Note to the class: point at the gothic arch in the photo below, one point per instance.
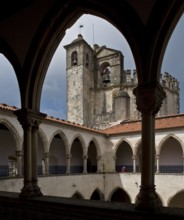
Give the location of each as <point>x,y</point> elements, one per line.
<point>14,132</point>
<point>120,142</point>
<point>96,145</point>
<point>166,138</point>
<point>77,195</point>
<point>123,155</point>
<point>97,195</point>
<point>81,139</point>
<point>10,55</point>
<point>120,195</point>
<point>63,138</point>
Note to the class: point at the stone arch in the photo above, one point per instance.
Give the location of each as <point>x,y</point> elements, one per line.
<point>97,195</point>
<point>63,137</point>
<point>170,159</point>
<point>13,130</point>
<point>57,154</point>
<point>92,157</point>
<point>77,153</point>
<point>10,55</point>
<point>119,195</point>
<point>96,145</point>
<point>177,200</point>
<point>166,138</point>
<point>77,195</point>
<point>123,155</point>
<point>84,148</point>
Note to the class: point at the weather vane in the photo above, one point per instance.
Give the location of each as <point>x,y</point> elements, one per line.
<point>80,27</point>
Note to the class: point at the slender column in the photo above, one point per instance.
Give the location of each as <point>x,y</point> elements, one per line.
<point>85,157</point>
<point>114,158</point>
<point>19,163</point>
<point>46,163</point>
<point>35,128</point>
<point>149,99</point>
<point>30,120</point>
<point>183,162</point>
<point>68,157</point>
<point>134,164</point>
<point>158,164</point>
<point>99,167</point>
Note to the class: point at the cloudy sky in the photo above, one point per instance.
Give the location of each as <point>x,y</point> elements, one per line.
<point>95,30</point>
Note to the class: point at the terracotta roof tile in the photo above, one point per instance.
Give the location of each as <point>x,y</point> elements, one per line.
<point>172,121</point>
<point>166,122</point>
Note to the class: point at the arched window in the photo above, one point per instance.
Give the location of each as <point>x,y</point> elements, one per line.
<point>87,59</point>
<point>74,60</point>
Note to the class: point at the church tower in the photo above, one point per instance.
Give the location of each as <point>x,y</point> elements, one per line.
<point>100,90</point>
<point>79,67</point>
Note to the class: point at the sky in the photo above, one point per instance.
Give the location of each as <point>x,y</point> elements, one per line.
<point>95,31</point>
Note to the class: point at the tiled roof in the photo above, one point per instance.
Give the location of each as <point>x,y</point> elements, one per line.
<point>8,107</point>
<point>171,121</point>
<point>165,122</point>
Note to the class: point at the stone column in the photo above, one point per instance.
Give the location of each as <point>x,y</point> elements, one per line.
<point>46,163</point>
<point>114,158</point>
<point>19,163</point>
<point>85,157</point>
<point>149,99</point>
<point>134,164</point>
<point>158,165</point>
<point>68,157</point>
<point>99,167</point>
<point>30,120</point>
<point>183,162</point>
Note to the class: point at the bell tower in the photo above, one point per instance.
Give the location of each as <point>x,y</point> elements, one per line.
<point>79,68</point>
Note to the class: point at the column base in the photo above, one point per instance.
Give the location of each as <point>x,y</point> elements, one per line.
<point>147,199</point>
<point>30,190</point>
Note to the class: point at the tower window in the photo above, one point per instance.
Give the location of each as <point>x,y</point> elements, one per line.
<point>87,59</point>
<point>74,60</point>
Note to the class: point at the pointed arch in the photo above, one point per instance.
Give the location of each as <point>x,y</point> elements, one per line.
<point>77,153</point>
<point>170,154</point>
<point>13,130</point>
<point>118,194</point>
<point>93,139</point>
<point>97,195</point>
<point>63,138</point>
<point>166,138</point>
<point>123,155</point>
<point>10,55</point>
<point>58,150</point>
<point>81,139</point>
<point>77,195</point>
<point>120,142</point>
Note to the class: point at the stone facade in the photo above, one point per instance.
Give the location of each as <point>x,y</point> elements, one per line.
<point>100,90</point>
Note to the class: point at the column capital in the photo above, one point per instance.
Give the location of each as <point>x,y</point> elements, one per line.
<point>28,117</point>
<point>19,152</point>
<point>149,97</point>
<point>85,157</point>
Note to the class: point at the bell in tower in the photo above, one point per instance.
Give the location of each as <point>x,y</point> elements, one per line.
<point>106,76</point>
